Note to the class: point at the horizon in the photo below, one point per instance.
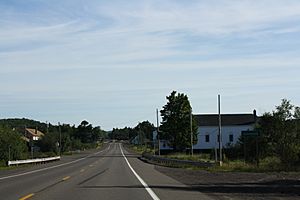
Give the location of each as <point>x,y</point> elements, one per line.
<point>113,63</point>
<point>72,124</point>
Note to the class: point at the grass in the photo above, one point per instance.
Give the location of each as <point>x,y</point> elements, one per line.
<point>140,149</point>
<point>195,157</point>
<point>266,165</point>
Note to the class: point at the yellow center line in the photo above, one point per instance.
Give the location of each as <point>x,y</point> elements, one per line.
<point>66,178</point>
<point>27,197</point>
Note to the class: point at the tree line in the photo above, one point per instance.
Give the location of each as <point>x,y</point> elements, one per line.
<point>143,132</point>
<point>12,146</point>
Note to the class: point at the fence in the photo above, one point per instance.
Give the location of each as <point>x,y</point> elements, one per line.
<point>37,160</point>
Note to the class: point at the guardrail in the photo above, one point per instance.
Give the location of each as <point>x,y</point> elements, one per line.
<point>174,162</point>
<point>37,160</point>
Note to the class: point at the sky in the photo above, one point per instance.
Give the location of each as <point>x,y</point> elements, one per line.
<point>113,63</point>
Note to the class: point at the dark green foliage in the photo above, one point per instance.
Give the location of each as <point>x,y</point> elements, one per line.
<point>84,132</point>
<point>143,130</point>
<point>72,138</point>
<point>280,133</point>
<point>9,138</point>
<point>279,137</point>
<point>19,124</point>
<point>175,126</point>
<point>49,142</point>
<point>121,134</point>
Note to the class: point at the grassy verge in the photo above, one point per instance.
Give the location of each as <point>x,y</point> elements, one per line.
<point>195,157</point>
<point>269,164</point>
<point>140,148</point>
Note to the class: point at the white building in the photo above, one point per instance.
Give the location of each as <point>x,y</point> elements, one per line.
<point>232,126</point>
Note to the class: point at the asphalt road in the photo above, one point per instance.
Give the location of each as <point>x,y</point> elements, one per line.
<point>109,173</point>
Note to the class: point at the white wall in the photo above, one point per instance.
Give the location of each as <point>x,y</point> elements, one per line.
<point>212,131</point>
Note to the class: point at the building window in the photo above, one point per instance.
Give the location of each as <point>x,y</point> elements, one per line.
<point>230,138</point>
<point>206,138</point>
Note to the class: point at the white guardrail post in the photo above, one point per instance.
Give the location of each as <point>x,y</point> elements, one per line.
<point>37,160</point>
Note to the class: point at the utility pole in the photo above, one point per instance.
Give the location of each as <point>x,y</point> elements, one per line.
<point>59,129</point>
<point>220,133</point>
<point>157,124</point>
<point>9,152</point>
<point>191,123</point>
<point>47,127</point>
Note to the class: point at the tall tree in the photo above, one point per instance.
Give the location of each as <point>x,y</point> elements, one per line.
<point>280,132</point>
<point>176,123</point>
<point>84,132</point>
<point>144,130</point>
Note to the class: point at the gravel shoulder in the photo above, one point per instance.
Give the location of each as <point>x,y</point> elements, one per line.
<point>238,185</point>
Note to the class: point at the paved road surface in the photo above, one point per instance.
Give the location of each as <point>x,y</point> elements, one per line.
<point>110,173</point>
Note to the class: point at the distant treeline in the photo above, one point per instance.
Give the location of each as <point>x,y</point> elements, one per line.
<point>141,133</point>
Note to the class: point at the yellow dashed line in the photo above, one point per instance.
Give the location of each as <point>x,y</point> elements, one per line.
<point>27,197</point>
<point>66,178</point>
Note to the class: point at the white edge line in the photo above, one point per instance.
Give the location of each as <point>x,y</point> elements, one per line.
<point>149,190</point>
<point>43,169</point>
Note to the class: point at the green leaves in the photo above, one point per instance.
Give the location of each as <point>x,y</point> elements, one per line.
<point>280,132</point>
<point>176,121</point>
<point>11,141</point>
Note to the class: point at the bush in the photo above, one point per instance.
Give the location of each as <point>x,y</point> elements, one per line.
<point>271,163</point>
<point>11,141</point>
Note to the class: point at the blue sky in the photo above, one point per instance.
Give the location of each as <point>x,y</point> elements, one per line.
<point>114,62</point>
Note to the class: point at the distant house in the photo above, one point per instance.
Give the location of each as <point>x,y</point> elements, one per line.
<point>32,134</point>
<point>164,144</point>
<point>139,139</point>
<point>232,126</point>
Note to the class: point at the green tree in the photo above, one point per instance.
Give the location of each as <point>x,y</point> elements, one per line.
<point>145,131</point>
<point>84,132</point>
<point>97,134</point>
<point>49,142</point>
<point>10,139</point>
<point>175,126</point>
<point>280,135</point>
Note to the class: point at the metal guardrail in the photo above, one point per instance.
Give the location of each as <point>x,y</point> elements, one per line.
<point>37,160</point>
<point>175,162</point>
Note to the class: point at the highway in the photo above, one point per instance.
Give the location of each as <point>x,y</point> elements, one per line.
<point>108,173</point>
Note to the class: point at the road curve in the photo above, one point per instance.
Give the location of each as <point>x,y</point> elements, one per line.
<point>111,173</point>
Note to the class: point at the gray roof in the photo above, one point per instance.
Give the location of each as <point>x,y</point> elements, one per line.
<point>226,119</point>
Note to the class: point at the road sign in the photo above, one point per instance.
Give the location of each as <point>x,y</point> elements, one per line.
<point>250,133</point>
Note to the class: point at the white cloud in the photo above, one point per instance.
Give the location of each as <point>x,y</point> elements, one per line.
<point>102,49</point>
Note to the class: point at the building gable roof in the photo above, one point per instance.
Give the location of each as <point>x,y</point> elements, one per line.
<point>226,119</point>
<point>34,132</point>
